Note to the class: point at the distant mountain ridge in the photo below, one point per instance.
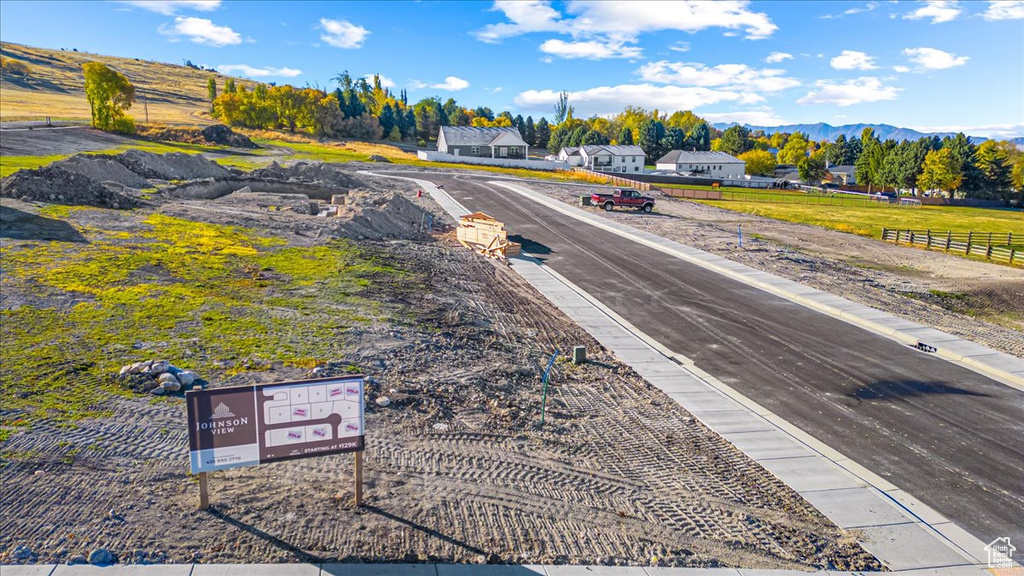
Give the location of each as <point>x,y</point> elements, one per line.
<point>822,131</point>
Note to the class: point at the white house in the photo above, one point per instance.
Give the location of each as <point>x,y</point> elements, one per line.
<point>608,158</point>
<point>481,142</point>
<point>708,164</point>
<point>570,155</point>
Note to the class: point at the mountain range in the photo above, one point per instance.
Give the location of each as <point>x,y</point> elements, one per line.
<point>822,131</point>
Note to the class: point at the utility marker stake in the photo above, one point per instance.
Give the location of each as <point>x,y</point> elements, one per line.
<point>359,479</point>
<point>544,399</point>
<point>739,232</point>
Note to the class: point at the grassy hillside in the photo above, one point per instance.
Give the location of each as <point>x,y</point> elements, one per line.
<point>54,87</point>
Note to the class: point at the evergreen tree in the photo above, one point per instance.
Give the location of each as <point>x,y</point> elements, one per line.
<point>562,108</point>
<point>529,131</point>
<point>625,136</point>
<point>651,133</point>
<point>673,140</point>
<point>700,138</point>
<point>594,137</point>
<point>483,112</point>
<point>835,154</point>
<point>387,118</point>
<point>964,153</point>
<point>576,136</point>
<point>520,125</point>
<point>543,135</point>
<point>736,140</point>
<point>211,90</point>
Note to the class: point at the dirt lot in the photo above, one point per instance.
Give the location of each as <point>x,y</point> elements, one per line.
<point>978,301</point>
<point>457,467</point>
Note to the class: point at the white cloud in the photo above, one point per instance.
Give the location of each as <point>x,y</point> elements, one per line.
<point>680,46</point>
<point>612,99</point>
<point>776,57</point>
<point>996,131</point>
<point>1005,10</point>
<point>253,72</point>
<point>170,7</point>
<point>739,77</point>
<point>853,60</point>
<point>384,80</point>
<point>937,10</point>
<point>752,117</point>
<point>590,49</point>
<point>866,8</point>
<point>856,91</point>
<point>342,33</point>
<point>620,23</point>
<point>934,59</point>
<point>901,69</point>
<point>450,84</point>
<point>201,31</point>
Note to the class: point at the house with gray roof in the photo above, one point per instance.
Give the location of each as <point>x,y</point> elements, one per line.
<point>608,158</point>
<point>707,164</point>
<point>843,174</point>
<point>481,142</point>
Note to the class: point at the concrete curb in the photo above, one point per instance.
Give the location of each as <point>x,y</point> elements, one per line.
<point>1002,367</point>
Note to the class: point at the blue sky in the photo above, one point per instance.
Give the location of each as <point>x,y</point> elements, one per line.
<point>934,65</point>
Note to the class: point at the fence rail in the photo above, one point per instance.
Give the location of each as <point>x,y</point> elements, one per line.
<point>997,246</point>
<point>783,198</point>
<point>615,180</point>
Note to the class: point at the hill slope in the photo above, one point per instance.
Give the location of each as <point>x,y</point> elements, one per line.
<point>55,87</point>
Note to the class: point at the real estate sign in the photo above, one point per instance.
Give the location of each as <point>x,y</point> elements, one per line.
<point>249,425</point>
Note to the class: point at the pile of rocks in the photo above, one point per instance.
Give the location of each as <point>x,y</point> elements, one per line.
<point>159,377</point>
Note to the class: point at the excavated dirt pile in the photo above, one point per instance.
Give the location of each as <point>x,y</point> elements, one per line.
<point>173,166</point>
<point>211,135</point>
<point>103,169</point>
<point>317,173</point>
<point>62,186</point>
<point>378,216</point>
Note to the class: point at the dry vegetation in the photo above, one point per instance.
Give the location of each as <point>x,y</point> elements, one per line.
<point>54,86</point>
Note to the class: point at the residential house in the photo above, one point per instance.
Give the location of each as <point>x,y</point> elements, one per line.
<point>570,155</point>
<point>481,142</point>
<point>608,158</point>
<point>844,175</point>
<point>706,164</point>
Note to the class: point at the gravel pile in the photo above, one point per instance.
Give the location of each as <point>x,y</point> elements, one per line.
<point>61,186</point>
<point>377,216</point>
<point>316,173</point>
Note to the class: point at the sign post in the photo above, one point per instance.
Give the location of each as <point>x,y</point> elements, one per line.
<point>251,425</point>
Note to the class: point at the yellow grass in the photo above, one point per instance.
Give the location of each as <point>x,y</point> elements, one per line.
<point>55,87</point>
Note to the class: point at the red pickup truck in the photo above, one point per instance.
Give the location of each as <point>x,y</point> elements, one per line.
<point>624,197</point>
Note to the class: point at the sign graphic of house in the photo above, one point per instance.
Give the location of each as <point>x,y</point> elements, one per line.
<point>1000,553</point>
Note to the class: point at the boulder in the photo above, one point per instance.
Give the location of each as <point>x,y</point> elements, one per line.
<point>101,557</point>
<point>187,377</point>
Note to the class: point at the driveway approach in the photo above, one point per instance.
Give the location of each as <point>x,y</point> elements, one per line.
<point>950,437</point>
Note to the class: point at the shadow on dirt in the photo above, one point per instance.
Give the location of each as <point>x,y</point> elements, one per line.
<point>300,554</point>
<point>21,225</point>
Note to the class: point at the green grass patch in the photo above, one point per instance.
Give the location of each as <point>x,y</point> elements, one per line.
<point>869,220</point>
<point>189,292</point>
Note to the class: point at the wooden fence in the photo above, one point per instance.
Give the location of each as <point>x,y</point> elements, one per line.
<point>615,180</point>
<point>999,247</point>
<point>786,198</point>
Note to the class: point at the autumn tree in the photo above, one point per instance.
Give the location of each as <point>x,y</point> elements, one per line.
<point>759,162</point>
<point>110,95</point>
<point>229,86</point>
<point>794,150</point>
<point>941,171</point>
<point>211,90</point>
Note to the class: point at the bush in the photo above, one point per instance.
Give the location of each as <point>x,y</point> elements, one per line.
<point>124,125</point>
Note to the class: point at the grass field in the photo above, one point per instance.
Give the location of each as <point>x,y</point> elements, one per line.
<point>869,220</point>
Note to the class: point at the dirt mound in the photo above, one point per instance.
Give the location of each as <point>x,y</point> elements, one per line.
<point>316,173</point>
<point>173,166</point>
<point>61,186</point>
<point>102,169</point>
<point>208,136</point>
<point>379,158</point>
<point>378,216</point>
<point>247,199</point>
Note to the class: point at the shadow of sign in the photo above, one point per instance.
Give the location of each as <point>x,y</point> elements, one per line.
<point>22,225</point>
<point>534,248</point>
<point>896,389</point>
<point>300,554</point>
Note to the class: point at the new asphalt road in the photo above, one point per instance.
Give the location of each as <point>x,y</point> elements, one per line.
<point>948,436</point>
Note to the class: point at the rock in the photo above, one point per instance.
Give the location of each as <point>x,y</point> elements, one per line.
<point>440,427</point>
<point>171,385</point>
<point>77,560</point>
<point>159,390</point>
<point>138,367</point>
<point>158,367</point>
<point>167,377</point>
<point>101,557</point>
<point>379,158</point>
<point>124,370</point>
<point>383,401</point>
<point>21,552</point>
<point>187,377</point>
